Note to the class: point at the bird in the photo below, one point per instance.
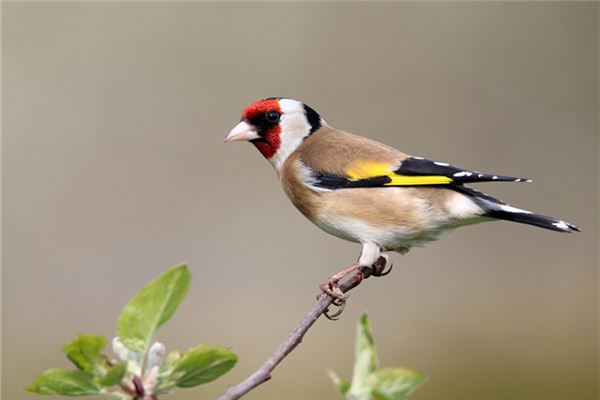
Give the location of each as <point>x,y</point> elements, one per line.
<point>366,192</point>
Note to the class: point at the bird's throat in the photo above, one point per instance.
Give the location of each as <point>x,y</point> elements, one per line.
<point>269,143</point>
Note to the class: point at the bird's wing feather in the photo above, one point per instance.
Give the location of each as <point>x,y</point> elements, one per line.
<point>346,161</point>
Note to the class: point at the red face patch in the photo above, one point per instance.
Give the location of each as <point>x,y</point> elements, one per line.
<point>254,110</point>
<point>270,139</point>
<point>271,142</point>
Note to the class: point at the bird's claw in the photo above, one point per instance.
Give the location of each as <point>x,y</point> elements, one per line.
<point>332,289</point>
<point>378,268</point>
<point>341,304</point>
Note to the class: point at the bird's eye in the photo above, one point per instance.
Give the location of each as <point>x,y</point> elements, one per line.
<point>273,116</point>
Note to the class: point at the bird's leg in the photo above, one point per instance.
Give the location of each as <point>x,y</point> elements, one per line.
<point>377,269</point>
<point>370,254</point>
<point>330,286</point>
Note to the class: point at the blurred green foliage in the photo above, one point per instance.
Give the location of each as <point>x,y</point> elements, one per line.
<point>144,369</point>
<point>369,381</point>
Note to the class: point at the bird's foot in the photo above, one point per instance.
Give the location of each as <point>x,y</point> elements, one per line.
<point>379,267</point>
<point>331,288</point>
<point>340,304</point>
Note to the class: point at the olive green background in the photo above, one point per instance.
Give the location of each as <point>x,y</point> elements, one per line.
<point>114,169</point>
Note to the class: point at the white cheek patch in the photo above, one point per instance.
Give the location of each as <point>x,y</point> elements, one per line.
<point>294,128</point>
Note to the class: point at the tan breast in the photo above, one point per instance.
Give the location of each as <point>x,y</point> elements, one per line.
<point>291,177</point>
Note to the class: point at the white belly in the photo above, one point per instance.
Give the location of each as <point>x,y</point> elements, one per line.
<point>397,238</point>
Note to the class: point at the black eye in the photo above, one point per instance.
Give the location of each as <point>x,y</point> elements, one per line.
<point>273,116</point>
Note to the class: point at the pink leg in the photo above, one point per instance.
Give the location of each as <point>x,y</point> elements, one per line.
<point>330,286</point>
<point>369,255</point>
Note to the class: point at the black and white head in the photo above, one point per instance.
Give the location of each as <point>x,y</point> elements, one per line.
<point>276,126</point>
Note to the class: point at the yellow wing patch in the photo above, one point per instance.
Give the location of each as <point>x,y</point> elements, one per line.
<point>399,180</point>
<point>367,169</point>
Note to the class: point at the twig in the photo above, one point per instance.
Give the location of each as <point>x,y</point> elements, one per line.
<point>263,374</point>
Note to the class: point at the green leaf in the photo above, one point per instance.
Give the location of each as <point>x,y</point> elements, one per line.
<point>84,352</point>
<point>341,385</point>
<point>203,364</point>
<point>170,363</point>
<point>115,375</point>
<point>165,381</point>
<point>67,383</point>
<point>394,383</point>
<point>365,360</point>
<point>152,307</point>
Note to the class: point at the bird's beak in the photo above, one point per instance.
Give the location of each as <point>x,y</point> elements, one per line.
<point>242,131</point>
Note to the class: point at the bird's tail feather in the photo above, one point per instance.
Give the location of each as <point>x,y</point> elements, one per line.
<point>495,208</point>
<point>527,217</point>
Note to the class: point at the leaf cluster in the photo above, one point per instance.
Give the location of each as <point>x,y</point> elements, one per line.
<point>369,381</point>
<point>144,370</point>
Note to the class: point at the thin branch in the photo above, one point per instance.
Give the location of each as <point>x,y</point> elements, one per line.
<point>263,374</point>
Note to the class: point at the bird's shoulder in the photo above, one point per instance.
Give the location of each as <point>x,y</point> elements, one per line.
<point>334,151</point>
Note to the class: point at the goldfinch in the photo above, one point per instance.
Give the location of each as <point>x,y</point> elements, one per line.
<point>366,192</point>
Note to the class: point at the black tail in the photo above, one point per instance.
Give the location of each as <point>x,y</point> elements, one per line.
<point>533,219</point>
<point>495,208</point>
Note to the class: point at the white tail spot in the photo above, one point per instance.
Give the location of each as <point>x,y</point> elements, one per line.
<point>507,208</point>
<point>462,173</point>
<point>561,225</point>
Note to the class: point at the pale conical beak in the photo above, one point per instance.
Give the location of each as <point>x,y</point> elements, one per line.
<point>242,131</point>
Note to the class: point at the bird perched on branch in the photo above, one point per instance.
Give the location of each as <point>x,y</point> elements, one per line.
<point>366,192</point>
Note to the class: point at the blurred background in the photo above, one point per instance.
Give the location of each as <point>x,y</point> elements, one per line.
<point>114,170</point>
